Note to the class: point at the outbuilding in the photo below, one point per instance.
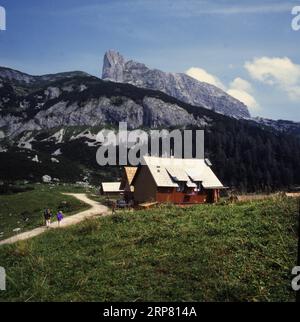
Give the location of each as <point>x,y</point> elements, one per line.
<point>111,188</point>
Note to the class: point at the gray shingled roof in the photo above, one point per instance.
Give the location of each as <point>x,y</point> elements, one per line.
<point>168,171</point>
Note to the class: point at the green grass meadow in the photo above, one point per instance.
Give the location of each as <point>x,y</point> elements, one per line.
<point>225,252</point>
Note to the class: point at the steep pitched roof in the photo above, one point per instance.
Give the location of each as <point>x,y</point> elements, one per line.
<point>177,174</point>
<point>167,172</point>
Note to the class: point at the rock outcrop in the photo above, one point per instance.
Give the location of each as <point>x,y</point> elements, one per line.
<point>180,86</point>
<point>83,101</point>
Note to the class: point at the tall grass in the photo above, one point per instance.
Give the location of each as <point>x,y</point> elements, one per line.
<point>239,252</point>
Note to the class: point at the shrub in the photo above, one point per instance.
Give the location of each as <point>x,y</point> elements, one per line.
<point>90,226</point>
<point>22,249</point>
<point>116,100</point>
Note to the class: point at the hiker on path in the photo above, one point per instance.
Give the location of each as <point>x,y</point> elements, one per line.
<point>59,217</point>
<point>47,216</point>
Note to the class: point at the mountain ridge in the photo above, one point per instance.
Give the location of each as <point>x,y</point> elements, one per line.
<point>179,85</point>
<point>16,75</point>
<point>11,87</point>
<point>49,128</point>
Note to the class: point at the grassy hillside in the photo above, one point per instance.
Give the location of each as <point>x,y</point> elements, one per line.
<point>242,252</point>
<point>25,209</point>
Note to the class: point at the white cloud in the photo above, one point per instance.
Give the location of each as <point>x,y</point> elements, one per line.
<point>203,76</point>
<point>241,90</point>
<point>276,71</point>
<point>238,88</point>
<point>241,84</point>
<point>245,98</point>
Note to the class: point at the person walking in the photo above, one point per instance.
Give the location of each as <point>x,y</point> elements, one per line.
<point>59,217</point>
<point>47,216</point>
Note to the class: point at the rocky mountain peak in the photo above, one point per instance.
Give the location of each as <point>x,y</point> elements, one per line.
<point>181,86</point>
<point>113,66</point>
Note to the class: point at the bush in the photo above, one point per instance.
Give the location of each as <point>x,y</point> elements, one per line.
<point>22,249</point>
<point>90,226</point>
<point>116,100</point>
<point>7,189</point>
<point>65,206</point>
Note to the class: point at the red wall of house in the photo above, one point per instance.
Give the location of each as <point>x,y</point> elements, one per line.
<point>174,196</point>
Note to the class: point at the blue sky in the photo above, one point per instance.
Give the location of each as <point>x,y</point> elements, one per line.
<point>246,47</point>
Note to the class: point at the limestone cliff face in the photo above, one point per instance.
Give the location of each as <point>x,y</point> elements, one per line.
<point>113,66</point>
<point>180,86</point>
<point>83,101</point>
<point>99,112</point>
<point>38,103</point>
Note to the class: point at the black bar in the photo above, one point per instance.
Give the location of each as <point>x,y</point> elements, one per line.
<point>95,312</point>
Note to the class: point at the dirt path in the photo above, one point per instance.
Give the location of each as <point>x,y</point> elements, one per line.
<point>96,209</point>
